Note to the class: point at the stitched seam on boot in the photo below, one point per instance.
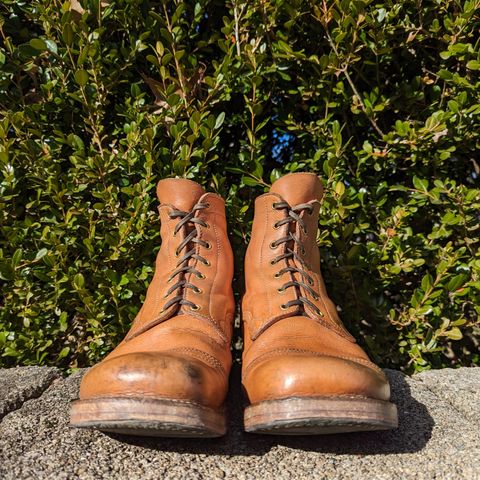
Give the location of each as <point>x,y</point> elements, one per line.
<point>153,395</point>
<point>209,316</point>
<point>206,318</point>
<point>262,269</point>
<point>170,263</point>
<point>200,355</point>
<point>215,275</point>
<point>340,396</point>
<point>334,327</point>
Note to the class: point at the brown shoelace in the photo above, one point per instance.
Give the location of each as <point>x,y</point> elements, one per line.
<point>183,266</point>
<point>293,216</point>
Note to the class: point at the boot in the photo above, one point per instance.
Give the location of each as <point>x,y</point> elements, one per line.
<point>302,371</point>
<point>169,376</point>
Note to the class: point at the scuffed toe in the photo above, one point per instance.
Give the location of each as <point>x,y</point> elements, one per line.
<point>158,375</point>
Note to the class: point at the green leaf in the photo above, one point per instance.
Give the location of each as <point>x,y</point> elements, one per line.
<point>38,44</point>
<point>41,253</point>
<point>159,48</point>
<point>427,282</point>
<point>81,77</point>
<point>63,353</point>
<point>219,120</point>
<point>473,65</point>
<point>420,184</point>
<point>258,170</point>
<point>68,34</point>
<point>249,181</point>
<point>275,174</point>
<point>17,257</point>
<point>456,282</point>
<point>454,334</point>
<point>52,46</point>
<point>79,281</point>
<point>340,188</point>
<point>425,310</point>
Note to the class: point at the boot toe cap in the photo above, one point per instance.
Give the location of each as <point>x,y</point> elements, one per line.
<point>313,375</point>
<point>157,375</point>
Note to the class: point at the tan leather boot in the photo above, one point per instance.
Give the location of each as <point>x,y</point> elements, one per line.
<point>302,371</point>
<point>169,376</point>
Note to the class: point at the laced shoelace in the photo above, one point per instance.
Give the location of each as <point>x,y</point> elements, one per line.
<point>183,266</point>
<point>293,216</point>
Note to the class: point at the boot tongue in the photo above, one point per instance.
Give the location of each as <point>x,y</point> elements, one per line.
<point>179,192</point>
<point>297,188</point>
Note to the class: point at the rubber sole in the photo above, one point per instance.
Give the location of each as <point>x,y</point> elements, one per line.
<point>320,415</point>
<point>148,417</point>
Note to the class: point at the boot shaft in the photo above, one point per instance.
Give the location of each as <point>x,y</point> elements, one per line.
<point>282,263</point>
<point>194,266</point>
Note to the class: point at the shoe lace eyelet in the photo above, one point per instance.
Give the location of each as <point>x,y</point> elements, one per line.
<point>208,246</point>
<point>195,307</point>
<point>207,263</point>
<point>280,290</point>
<point>198,290</point>
<point>276,226</point>
<point>310,281</point>
<point>273,245</point>
<point>283,306</point>
<point>200,275</point>
<point>277,275</point>
<point>273,262</point>
<point>302,251</point>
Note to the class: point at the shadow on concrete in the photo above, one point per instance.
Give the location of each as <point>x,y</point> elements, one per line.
<point>413,433</point>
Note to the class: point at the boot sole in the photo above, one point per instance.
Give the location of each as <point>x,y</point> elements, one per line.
<point>148,417</point>
<point>320,415</point>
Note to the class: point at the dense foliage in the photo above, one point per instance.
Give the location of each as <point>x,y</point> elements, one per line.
<point>100,99</point>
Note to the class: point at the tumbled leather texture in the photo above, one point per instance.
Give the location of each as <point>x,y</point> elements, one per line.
<point>296,351</point>
<point>178,353</point>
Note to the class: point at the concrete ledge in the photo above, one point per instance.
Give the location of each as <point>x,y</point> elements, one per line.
<point>20,384</point>
<point>438,438</point>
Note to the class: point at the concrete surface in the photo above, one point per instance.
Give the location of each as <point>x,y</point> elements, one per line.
<point>17,385</point>
<point>438,438</point>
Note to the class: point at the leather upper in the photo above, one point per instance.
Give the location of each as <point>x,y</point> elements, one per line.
<point>303,349</point>
<point>181,352</point>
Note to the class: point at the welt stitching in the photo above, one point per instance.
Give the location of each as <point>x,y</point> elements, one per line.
<point>154,395</point>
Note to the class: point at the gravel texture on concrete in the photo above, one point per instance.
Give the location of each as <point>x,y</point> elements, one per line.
<point>23,383</point>
<point>438,438</point>
<point>459,387</point>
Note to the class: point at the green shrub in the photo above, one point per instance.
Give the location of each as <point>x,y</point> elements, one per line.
<point>99,101</point>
